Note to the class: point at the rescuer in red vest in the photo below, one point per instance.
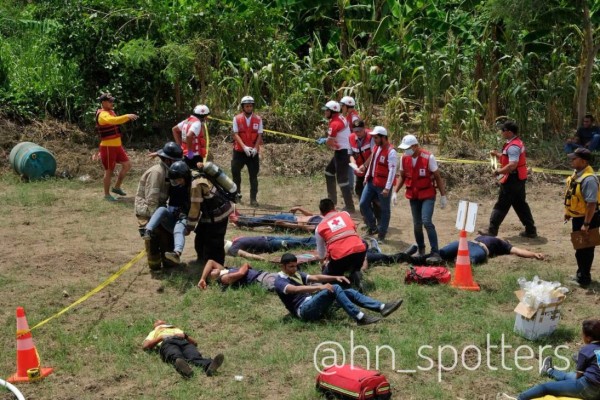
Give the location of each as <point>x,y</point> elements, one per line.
<point>419,172</point>
<point>190,134</point>
<point>379,182</point>
<point>349,112</point>
<point>512,176</point>
<point>247,139</point>
<point>338,243</point>
<point>111,147</point>
<point>338,140</point>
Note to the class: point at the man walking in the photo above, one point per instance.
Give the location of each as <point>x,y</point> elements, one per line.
<point>338,140</point>
<point>111,147</point>
<point>512,176</point>
<point>379,180</point>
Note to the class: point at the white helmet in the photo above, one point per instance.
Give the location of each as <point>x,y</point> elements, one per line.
<point>247,100</point>
<point>408,141</point>
<point>201,110</point>
<point>378,130</point>
<point>332,106</point>
<point>349,101</point>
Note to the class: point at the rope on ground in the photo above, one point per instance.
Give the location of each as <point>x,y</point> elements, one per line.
<point>92,292</point>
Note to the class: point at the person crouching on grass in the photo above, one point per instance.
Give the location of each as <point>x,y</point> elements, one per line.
<point>583,384</point>
<point>177,348</point>
<point>310,302</point>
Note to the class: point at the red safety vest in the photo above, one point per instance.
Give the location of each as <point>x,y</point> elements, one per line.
<point>352,115</point>
<point>362,153</point>
<point>198,142</point>
<point>418,179</point>
<point>339,233</point>
<point>379,168</point>
<point>521,164</point>
<point>248,134</point>
<point>107,131</point>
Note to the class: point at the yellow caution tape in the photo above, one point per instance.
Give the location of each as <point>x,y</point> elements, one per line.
<point>273,132</point>
<point>92,292</point>
<point>207,141</point>
<point>534,169</point>
<point>441,159</point>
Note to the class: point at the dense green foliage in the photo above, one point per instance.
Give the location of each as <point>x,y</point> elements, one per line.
<point>443,66</point>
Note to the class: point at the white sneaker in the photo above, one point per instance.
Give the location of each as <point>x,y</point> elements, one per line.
<point>173,256</point>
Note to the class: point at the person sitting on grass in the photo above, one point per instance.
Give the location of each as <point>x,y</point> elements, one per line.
<point>480,249</point>
<point>310,302</point>
<point>583,384</point>
<point>174,217</point>
<point>250,246</point>
<point>177,348</point>
<point>306,222</point>
<point>236,277</point>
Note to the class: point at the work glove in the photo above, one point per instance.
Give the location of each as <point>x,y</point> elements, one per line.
<point>394,198</point>
<point>248,151</point>
<point>190,154</point>
<point>321,140</point>
<point>443,202</point>
<point>253,152</point>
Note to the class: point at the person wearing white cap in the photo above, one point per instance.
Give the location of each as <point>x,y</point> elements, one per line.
<point>419,172</point>
<point>379,182</point>
<point>247,139</point>
<point>190,134</point>
<point>338,140</point>
<point>347,105</point>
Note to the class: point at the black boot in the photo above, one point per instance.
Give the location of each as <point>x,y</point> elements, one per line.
<point>331,188</point>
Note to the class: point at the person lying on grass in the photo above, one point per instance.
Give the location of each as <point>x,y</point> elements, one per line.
<point>235,277</point>
<point>583,384</point>
<point>250,246</point>
<point>177,348</point>
<point>305,222</point>
<point>310,302</point>
<point>480,249</point>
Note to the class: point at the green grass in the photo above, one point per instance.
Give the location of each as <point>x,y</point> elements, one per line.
<point>96,347</point>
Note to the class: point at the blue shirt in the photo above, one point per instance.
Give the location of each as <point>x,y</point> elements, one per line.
<point>588,362</point>
<point>291,301</point>
<point>496,247</point>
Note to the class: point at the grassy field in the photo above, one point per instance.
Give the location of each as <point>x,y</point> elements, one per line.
<point>60,240</point>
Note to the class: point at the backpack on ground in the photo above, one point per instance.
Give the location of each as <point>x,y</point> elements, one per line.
<point>351,382</point>
<point>427,275</point>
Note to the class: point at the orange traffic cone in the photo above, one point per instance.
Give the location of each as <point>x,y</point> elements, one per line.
<point>463,277</point>
<point>28,360</point>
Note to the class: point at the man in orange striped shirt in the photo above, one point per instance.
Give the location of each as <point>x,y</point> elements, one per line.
<point>111,148</point>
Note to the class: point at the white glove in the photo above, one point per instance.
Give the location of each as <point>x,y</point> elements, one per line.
<point>253,152</point>
<point>394,198</point>
<point>248,151</point>
<point>443,202</point>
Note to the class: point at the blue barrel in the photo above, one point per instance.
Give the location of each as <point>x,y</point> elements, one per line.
<point>32,161</point>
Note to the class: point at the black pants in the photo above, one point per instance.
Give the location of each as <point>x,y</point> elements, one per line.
<point>173,348</point>
<point>193,163</point>
<point>350,263</point>
<point>585,257</point>
<point>512,194</point>
<point>237,163</point>
<point>210,240</point>
<point>376,258</point>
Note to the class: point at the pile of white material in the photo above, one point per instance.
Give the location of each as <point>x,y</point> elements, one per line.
<point>538,292</point>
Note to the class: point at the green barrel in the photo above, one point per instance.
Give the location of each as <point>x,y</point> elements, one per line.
<point>32,161</point>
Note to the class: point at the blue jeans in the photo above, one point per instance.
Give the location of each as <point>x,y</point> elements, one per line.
<point>565,384</point>
<point>314,308</point>
<point>277,243</point>
<point>170,219</point>
<point>422,212</point>
<point>370,192</point>
<point>262,220</point>
<point>477,254</point>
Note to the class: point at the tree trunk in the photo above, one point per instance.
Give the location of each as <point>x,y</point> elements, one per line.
<point>343,30</point>
<point>588,55</point>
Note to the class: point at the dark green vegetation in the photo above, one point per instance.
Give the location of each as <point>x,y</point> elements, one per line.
<point>443,66</point>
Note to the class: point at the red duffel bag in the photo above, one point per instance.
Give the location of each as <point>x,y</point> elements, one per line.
<point>427,275</point>
<point>348,382</point>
